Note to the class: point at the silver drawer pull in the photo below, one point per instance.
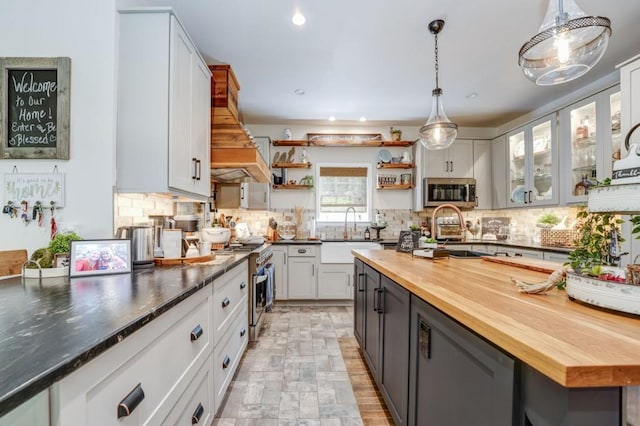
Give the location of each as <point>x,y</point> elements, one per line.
<point>225,302</point>
<point>301,251</point>
<point>131,401</point>
<point>242,285</point>
<point>243,332</point>
<point>195,417</point>
<point>226,361</point>
<point>196,333</point>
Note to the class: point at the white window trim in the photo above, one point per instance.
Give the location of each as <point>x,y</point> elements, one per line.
<point>340,217</point>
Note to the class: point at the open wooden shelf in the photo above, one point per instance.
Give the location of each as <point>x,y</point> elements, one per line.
<point>290,165</point>
<point>396,165</point>
<point>395,186</point>
<point>302,142</point>
<point>291,186</point>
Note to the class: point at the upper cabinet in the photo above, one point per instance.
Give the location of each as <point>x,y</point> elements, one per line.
<point>163,116</point>
<point>590,135</point>
<point>533,160</point>
<point>482,173</point>
<point>453,162</point>
<point>499,172</point>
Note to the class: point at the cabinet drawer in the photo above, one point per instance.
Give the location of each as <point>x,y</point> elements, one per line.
<point>196,401</point>
<point>229,294</point>
<point>156,357</point>
<point>227,355</point>
<point>301,250</point>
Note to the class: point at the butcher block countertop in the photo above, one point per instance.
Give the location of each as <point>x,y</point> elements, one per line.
<point>574,344</point>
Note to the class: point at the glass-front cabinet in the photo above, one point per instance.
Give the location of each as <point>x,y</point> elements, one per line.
<point>533,160</point>
<point>590,136</point>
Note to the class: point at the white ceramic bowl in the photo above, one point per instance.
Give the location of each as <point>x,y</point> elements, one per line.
<point>216,235</point>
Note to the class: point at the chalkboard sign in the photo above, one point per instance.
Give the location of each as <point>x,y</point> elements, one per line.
<point>35,108</point>
<point>408,241</point>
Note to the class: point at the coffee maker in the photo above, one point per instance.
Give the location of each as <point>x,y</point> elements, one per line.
<point>159,223</point>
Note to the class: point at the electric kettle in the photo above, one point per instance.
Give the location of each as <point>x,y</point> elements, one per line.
<point>141,244</point>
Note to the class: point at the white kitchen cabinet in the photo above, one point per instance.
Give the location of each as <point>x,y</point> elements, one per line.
<point>590,131</point>
<point>499,172</point>
<point>163,107</point>
<point>254,196</point>
<point>533,163</point>
<point>482,173</point>
<point>34,412</point>
<point>162,358</point>
<point>453,162</point>
<point>302,271</point>
<point>520,252</point>
<point>335,281</point>
<point>281,279</point>
<point>553,256</point>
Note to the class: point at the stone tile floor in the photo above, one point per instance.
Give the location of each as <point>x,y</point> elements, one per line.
<point>295,373</point>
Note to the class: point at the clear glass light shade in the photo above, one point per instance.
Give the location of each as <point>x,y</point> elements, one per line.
<point>568,44</point>
<point>438,132</point>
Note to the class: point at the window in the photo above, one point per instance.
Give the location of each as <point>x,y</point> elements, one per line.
<point>341,186</point>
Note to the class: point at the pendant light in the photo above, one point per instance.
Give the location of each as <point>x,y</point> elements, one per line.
<point>568,44</point>
<point>438,132</point>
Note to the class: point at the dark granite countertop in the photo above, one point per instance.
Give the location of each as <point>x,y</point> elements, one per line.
<point>48,330</point>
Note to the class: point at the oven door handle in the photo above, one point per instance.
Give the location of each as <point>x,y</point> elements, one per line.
<point>257,279</point>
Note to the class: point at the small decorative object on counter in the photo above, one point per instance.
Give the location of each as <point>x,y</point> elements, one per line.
<point>367,234</point>
<point>286,134</point>
<point>304,157</point>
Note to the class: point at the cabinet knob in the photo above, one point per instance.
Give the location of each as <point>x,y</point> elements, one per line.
<point>196,333</point>
<point>242,285</point>
<point>243,332</point>
<point>225,362</point>
<point>130,402</point>
<point>197,414</point>
<point>225,302</point>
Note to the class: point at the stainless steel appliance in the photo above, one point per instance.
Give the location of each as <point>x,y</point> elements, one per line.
<point>142,243</point>
<point>449,228</point>
<point>461,192</point>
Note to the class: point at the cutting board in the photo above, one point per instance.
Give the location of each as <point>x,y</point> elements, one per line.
<point>11,262</point>
<point>162,261</point>
<point>525,263</point>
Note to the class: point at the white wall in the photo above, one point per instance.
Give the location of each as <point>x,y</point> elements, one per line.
<point>85,32</point>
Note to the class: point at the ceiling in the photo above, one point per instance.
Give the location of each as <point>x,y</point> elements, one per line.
<point>375,58</point>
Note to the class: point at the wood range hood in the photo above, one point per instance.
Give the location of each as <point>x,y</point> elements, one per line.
<point>234,155</point>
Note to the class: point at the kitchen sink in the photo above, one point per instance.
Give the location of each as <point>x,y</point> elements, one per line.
<point>466,254</point>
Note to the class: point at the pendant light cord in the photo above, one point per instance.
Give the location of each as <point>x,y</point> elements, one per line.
<point>436,52</point>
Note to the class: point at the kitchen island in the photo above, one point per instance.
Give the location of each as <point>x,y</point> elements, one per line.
<point>562,350</point>
<point>52,328</point>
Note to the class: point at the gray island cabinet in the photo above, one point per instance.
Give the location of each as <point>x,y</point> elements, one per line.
<point>434,369</point>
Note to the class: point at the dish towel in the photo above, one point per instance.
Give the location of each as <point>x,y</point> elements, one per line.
<point>270,272</point>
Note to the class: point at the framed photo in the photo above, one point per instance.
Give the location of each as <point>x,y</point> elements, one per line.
<point>99,257</point>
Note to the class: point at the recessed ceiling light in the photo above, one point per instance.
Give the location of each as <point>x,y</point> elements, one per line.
<point>299,92</point>
<point>363,118</point>
<point>298,19</point>
<point>472,95</point>
<point>332,118</point>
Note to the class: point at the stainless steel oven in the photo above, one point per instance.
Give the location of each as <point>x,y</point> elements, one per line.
<point>261,273</point>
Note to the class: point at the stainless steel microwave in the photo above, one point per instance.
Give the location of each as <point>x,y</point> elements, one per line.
<point>461,192</point>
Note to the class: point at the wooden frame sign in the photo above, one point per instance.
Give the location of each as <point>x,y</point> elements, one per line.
<point>34,108</point>
<point>343,137</point>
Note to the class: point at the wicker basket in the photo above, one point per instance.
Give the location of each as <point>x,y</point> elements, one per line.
<point>558,237</point>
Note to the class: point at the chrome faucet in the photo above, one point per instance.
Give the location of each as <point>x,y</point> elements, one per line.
<point>345,234</point>
<point>458,212</point>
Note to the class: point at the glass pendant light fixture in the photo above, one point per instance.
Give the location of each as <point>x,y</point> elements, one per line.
<point>568,44</point>
<point>438,132</point>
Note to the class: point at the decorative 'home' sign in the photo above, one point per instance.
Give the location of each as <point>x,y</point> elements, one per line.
<point>34,108</point>
<point>32,187</point>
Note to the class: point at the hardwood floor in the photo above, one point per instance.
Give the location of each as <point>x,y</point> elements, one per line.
<point>370,403</point>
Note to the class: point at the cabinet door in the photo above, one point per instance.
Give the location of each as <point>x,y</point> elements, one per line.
<point>201,126</point>
<point>34,412</point>
<point>372,321</point>
<point>254,196</point>
<point>182,164</point>
<point>458,379</point>
<point>359,300</point>
<point>279,260</point>
<point>334,281</point>
<point>499,172</point>
<point>482,173</point>
<point>302,278</point>
<point>460,157</point>
<point>437,163</point>
<point>394,371</point>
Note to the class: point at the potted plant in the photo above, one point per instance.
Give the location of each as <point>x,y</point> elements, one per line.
<point>595,279</point>
<point>396,134</point>
<point>45,257</point>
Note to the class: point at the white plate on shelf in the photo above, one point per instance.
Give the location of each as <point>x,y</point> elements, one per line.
<point>384,156</point>
<point>517,195</point>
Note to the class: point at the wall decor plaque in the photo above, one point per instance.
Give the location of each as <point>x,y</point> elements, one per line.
<point>34,108</point>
